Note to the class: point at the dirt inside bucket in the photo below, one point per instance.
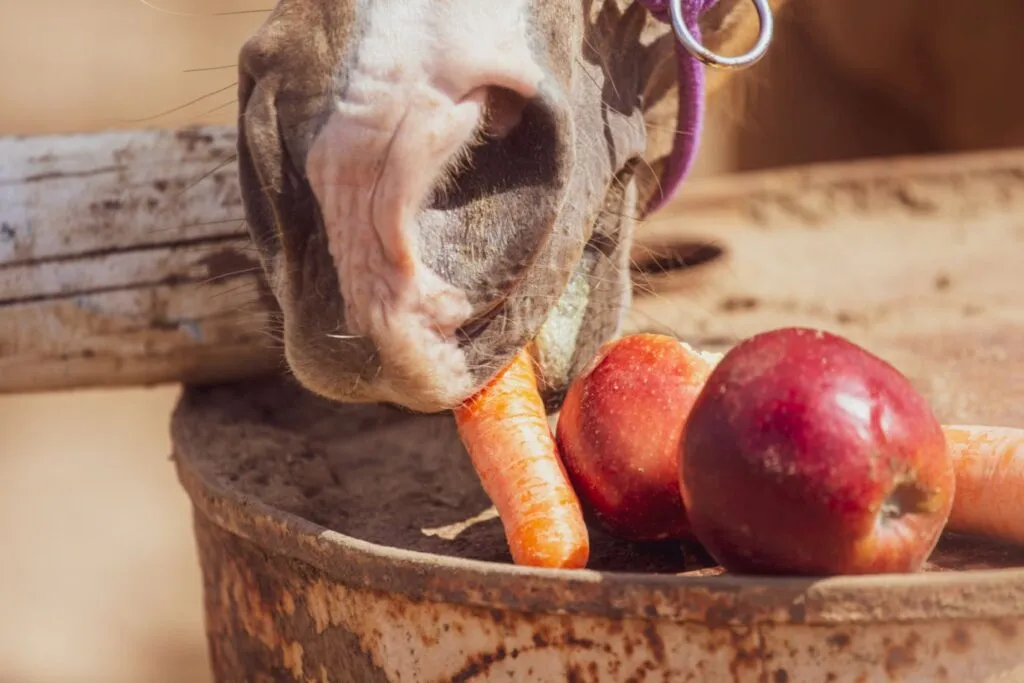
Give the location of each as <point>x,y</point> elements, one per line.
<point>385,476</point>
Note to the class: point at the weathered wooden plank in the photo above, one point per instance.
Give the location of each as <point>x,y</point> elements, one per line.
<point>136,335</point>
<point>66,195</point>
<point>916,188</point>
<point>924,247</point>
<point>123,259</point>
<point>110,316</point>
<point>924,271</point>
<point>195,261</point>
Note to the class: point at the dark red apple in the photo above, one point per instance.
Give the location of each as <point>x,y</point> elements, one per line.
<point>619,429</point>
<point>807,455</point>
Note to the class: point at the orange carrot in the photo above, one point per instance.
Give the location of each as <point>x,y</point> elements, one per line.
<point>989,464</point>
<point>505,431</point>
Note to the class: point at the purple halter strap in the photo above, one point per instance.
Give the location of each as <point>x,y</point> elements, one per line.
<point>691,101</point>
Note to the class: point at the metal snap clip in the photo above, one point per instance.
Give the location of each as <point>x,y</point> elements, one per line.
<point>764,38</point>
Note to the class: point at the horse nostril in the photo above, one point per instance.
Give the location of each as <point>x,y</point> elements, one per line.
<point>516,148</point>
<point>503,111</point>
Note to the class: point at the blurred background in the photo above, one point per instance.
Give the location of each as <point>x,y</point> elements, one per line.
<point>98,575</point>
<point>98,579</point>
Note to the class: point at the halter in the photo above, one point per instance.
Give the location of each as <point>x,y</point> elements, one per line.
<point>692,56</point>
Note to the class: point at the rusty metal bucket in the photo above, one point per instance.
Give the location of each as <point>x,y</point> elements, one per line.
<point>310,519</point>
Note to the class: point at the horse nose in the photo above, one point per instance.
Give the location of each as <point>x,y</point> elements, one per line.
<point>422,82</point>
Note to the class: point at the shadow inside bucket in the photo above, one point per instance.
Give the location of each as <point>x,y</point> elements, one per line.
<point>383,475</point>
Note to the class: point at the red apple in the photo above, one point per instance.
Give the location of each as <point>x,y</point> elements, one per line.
<point>619,429</point>
<point>807,455</point>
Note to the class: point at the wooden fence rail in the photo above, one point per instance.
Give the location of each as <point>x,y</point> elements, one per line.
<point>124,259</point>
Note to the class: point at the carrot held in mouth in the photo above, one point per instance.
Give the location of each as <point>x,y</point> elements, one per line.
<point>989,466</point>
<point>505,430</point>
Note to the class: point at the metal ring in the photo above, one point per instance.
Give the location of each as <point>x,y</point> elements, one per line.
<point>764,38</point>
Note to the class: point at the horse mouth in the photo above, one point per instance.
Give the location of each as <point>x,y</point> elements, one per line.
<point>481,320</point>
